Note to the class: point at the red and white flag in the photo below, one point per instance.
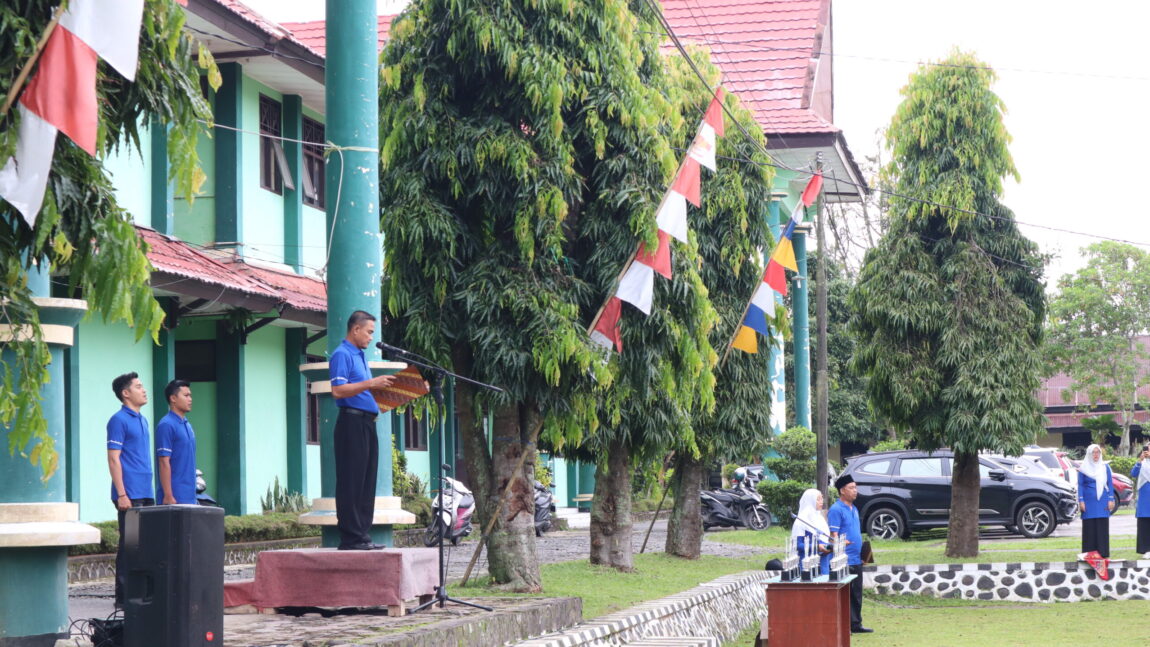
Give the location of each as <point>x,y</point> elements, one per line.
<point>61,96</point>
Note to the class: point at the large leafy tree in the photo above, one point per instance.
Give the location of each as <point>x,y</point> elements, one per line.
<point>730,233</point>
<point>1097,319</point>
<point>509,129</point>
<point>948,308</point>
<point>82,232</point>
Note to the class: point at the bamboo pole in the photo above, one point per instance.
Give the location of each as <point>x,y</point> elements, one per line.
<point>18,84</point>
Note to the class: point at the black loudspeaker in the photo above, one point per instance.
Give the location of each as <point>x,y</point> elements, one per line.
<point>174,588</point>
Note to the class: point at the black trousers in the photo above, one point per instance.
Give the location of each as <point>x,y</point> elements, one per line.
<point>1096,536</point>
<point>856,595</point>
<point>136,503</point>
<point>1143,535</point>
<point>356,461</point>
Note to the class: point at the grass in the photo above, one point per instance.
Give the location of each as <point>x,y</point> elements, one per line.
<point>605,590</point>
<point>929,547</point>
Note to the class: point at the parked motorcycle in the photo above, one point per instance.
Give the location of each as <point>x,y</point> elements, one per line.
<point>738,507</point>
<point>454,520</point>
<point>202,496</point>
<point>544,508</point>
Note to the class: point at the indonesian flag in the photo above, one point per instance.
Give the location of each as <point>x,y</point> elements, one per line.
<point>672,215</point>
<point>606,331</point>
<point>703,147</point>
<point>61,96</point>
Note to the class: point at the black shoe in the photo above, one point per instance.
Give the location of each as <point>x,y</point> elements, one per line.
<point>367,545</point>
<point>861,630</point>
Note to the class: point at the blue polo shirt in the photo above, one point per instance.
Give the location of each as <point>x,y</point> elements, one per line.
<point>128,432</point>
<point>844,519</point>
<point>348,365</point>
<point>176,440</point>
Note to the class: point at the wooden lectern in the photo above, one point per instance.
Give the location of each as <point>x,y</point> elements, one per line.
<point>809,613</point>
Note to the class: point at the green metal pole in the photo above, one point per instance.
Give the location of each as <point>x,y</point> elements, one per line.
<point>355,258</point>
<point>802,333</point>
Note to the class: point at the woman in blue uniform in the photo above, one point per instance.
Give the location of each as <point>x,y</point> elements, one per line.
<point>1095,501</point>
<point>811,526</point>
<point>1141,475</point>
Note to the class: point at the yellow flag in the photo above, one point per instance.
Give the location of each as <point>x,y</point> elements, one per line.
<point>746,340</point>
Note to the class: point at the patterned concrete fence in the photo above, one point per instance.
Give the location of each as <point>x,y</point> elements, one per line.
<point>1016,581</point>
<point>718,609</point>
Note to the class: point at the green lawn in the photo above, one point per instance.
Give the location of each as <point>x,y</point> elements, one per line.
<point>928,548</point>
<point>605,591</point>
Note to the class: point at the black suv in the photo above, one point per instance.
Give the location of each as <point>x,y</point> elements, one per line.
<point>907,490</point>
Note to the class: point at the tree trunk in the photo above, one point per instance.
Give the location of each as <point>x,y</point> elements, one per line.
<point>962,535</point>
<point>685,527</point>
<point>611,510</point>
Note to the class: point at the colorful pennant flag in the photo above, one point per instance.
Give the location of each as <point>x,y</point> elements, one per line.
<point>762,303</point>
<point>61,96</point>
<point>636,283</point>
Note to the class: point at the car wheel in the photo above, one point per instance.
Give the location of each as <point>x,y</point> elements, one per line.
<point>885,523</point>
<point>1035,520</point>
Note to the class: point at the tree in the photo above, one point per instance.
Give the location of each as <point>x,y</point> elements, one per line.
<point>82,232</point>
<point>948,308</point>
<point>508,130</point>
<point>730,232</point>
<point>1096,322</point>
<point>849,418</point>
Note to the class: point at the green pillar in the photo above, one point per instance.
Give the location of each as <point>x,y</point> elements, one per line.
<point>163,360</point>
<point>228,111</point>
<point>37,523</point>
<point>296,431</point>
<point>293,198</point>
<point>162,199</point>
<point>802,333</point>
<point>231,448</point>
<point>72,417</point>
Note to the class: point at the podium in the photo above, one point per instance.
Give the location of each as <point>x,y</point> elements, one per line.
<point>809,613</point>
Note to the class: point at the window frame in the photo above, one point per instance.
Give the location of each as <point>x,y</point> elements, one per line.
<point>275,174</point>
<point>312,175</point>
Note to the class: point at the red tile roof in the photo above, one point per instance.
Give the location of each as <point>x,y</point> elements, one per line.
<point>299,292</point>
<point>313,36</point>
<point>275,30</point>
<point>764,50</point>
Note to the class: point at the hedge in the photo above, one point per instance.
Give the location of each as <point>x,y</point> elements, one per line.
<point>237,529</point>
<point>1123,464</point>
<point>782,497</point>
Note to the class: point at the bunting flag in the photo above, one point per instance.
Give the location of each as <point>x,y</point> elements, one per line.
<point>61,96</point>
<point>762,303</point>
<point>636,284</point>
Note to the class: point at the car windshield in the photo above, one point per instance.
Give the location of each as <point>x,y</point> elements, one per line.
<point>1045,459</point>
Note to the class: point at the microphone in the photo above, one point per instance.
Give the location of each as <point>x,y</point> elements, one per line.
<point>389,349</point>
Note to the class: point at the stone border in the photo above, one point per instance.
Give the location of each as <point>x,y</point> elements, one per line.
<point>1014,581</point>
<point>717,608</point>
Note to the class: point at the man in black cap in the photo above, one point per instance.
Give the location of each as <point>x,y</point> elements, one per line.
<point>843,520</point>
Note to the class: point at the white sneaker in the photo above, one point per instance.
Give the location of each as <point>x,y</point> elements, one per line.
<point>1145,555</point>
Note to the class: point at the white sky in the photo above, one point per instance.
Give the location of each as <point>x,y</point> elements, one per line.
<point>1073,75</point>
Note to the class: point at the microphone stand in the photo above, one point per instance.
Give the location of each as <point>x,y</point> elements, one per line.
<point>437,377</point>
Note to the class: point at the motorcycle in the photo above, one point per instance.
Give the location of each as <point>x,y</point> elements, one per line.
<point>202,496</point>
<point>454,520</point>
<point>738,507</point>
<point>544,508</point>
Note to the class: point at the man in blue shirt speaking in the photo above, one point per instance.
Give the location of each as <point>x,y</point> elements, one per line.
<point>129,460</point>
<point>176,448</point>
<point>843,520</point>
<point>356,439</point>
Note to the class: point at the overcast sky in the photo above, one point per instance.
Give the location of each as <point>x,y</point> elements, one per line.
<point>1073,76</point>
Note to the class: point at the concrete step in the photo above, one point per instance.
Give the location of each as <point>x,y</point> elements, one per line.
<point>678,641</point>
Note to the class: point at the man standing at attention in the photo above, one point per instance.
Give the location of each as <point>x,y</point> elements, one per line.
<point>129,460</point>
<point>356,440</point>
<point>176,448</point>
<point>843,520</point>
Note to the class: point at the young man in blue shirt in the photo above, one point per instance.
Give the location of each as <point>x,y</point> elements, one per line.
<point>129,460</point>
<point>176,448</point>
<point>843,520</point>
<point>356,438</point>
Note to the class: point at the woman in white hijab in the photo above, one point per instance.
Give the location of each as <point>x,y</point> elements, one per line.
<point>1095,501</point>
<point>1141,472</point>
<point>811,526</point>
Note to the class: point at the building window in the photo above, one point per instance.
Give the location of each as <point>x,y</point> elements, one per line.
<point>274,172</point>
<point>414,432</point>
<point>313,169</point>
<point>196,360</point>
<point>312,418</point>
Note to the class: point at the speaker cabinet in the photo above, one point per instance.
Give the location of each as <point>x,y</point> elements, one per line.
<point>174,588</point>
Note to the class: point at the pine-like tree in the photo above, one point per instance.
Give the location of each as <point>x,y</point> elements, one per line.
<point>948,309</point>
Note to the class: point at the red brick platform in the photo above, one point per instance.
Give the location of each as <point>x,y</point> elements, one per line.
<point>330,578</point>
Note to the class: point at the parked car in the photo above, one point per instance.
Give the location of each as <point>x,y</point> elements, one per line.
<point>1054,460</point>
<point>905,490</point>
<point>1123,486</point>
<point>1021,465</point>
